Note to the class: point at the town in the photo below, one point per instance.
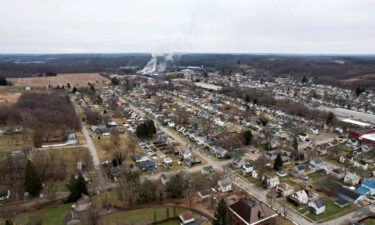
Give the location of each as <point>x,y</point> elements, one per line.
<point>186,147</point>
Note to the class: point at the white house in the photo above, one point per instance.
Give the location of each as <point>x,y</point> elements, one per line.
<point>273,182</point>
<point>317,207</point>
<point>301,197</point>
<point>352,178</point>
<point>224,185</point>
<point>247,168</point>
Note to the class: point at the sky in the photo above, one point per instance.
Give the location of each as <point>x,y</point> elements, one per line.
<point>161,26</point>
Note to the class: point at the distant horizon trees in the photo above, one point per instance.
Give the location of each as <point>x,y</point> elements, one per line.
<point>3,81</point>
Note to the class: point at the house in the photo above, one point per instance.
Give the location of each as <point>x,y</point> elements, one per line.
<point>238,162</point>
<point>299,169</point>
<point>250,212</point>
<point>284,189</point>
<point>224,185</point>
<point>367,188</point>
<point>271,156</point>
<point>219,152</point>
<point>186,218</point>
<point>272,182</point>
<point>247,168</point>
<point>317,207</point>
<point>338,173</point>
<point>342,192</point>
<point>71,138</point>
<point>352,178</point>
<point>207,170</point>
<point>204,193</point>
<point>4,194</point>
<point>82,204</point>
<point>164,178</point>
<point>148,165</point>
<point>315,164</point>
<point>300,197</point>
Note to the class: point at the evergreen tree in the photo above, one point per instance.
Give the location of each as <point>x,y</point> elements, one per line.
<point>278,164</point>
<point>330,118</point>
<point>3,81</point>
<point>77,187</point>
<point>222,214</point>
<point>359,90</point>
<point>146,129</point>
<point>74,90</point>
<point>267,146</point>
<point>248,137</point>
<point>115,81</point>
<point>304,79</point>
<point>8,222</point>
<point>295,143</point>
<point>68,85</point>
<point>33,184</point>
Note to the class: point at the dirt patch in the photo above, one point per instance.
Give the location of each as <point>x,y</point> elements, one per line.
<point>75,79</point>
<point>6,98</point>
<point>363,77</point>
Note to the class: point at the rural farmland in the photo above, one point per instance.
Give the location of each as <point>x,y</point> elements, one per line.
<point>75,79</point>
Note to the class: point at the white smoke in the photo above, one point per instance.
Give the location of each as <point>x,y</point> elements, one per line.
<point>157,64</point>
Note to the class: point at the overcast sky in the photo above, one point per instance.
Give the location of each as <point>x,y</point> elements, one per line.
<point>225,26</point>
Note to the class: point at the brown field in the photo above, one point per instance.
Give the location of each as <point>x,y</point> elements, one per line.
<point>75,79</point>
<point>361,78</point>
<point>6,98</point>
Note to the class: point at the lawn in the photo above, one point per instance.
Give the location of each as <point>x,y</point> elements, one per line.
<point>315,176</point>
<point>369,221</point>
<point>332,211</point>
<point>142,215</point>
<point>15,141</point>
<point>49,216</point>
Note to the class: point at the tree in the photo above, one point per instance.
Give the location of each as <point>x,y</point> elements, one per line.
<point>330,118</point>
<point>147,192</point>
<point>304,79</point>
<point>33,184</point>
<point>222,214</point>
<point>278,164</point>
<point>267,146</point>
<point>3,81</point>
<point>248,137</point>
<point>119,157</point>
<point>175,187</point>
<point>146,129</point>
<point>8,222</point>
<point>115,81</point>
<point>359,90</point>
<point>295,143</point>
<point>74,90</point>
<point>77,187</point>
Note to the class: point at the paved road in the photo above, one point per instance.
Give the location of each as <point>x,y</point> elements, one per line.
<point>350,114</point>
<point>102,181</point>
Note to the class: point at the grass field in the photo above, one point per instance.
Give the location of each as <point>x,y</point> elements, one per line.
<point>49,216</point>
<point>315,175</point>
<point>142,215</point>
<point>332,211</point>
<point>369,221</point>
<point>75,79</point>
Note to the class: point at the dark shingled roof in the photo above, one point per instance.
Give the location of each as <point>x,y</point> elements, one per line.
<point>252,210</point>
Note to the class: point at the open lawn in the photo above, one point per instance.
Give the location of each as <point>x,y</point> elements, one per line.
<point>142,215</point>
<point>49,216</point>
<point>315,175</point>
<point>15,141</point>
<point>332,211</point>
<point>369,221</point>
